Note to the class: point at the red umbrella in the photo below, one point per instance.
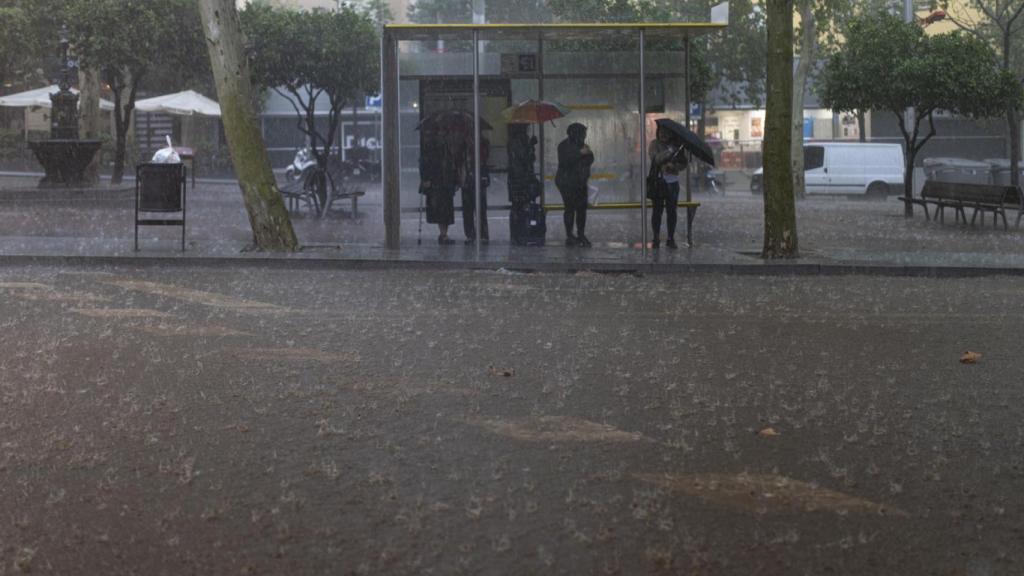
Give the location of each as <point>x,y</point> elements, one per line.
<point>535,112</point>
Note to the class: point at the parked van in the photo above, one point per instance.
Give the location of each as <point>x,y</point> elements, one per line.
<point>848,168</point>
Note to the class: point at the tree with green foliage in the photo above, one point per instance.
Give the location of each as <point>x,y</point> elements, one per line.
<point>890,65</point>
<point>461,11</point>
<point>780,239</point>
<point>999,22</point>
<point>17,43</point>
<point>126,41</point>
<point>312,57</point>
<point>378,11</point>
<point>729,62</point>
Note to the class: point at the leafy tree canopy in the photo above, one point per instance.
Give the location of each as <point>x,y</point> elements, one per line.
<point>16,40</point>
<point>138,38</point>
<point>128,41</point>
<point>309,56</point>
<point>461,11</point>
<point>887,64</point>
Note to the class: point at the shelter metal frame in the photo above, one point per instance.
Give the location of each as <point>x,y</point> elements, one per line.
<point>391,76</point>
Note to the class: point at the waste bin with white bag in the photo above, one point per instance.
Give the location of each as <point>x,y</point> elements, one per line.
<point>160,192</point>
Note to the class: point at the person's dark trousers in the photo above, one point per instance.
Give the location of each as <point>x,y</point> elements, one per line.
<point>469,214</point>
<point>575,201</point>
<point>669,205</point>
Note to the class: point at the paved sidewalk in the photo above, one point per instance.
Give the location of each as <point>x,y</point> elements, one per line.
<point>836,236</point>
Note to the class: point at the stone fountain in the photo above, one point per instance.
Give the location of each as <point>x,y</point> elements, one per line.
<point>64,156</point>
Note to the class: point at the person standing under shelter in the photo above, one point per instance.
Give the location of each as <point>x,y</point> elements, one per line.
<point>439,176</point>
<point>574,161</point>
<point>469,191</point>
<point>667,161</point>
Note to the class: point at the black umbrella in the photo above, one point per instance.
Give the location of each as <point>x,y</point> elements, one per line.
<point>685,138</point>
<point>459,120</point>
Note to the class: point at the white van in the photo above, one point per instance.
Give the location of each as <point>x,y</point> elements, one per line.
<point>848,168</point>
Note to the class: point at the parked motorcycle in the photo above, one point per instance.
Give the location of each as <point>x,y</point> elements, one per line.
<point>303,160</point>
<point>707,179</point>
<point>713,180</point>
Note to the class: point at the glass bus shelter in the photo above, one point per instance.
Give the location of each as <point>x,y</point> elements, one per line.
<point>604,74</point>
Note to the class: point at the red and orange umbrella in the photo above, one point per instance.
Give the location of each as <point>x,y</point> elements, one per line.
<point>535,112</point>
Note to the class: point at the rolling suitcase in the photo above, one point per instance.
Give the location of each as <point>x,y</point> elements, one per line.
<point>528,224</point>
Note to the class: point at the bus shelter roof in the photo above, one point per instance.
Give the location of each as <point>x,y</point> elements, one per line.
<point>551,31</point>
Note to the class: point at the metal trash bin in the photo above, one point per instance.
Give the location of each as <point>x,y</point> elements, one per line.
<point>1000,171</point>
<point>956,170</point>
<point>160,189</point>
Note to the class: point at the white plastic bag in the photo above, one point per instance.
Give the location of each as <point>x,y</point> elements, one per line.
<point>167,155</point>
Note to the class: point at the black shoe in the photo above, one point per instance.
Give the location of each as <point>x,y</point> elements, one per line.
<point>583,242</point>
<point>671,244</point>
<point>571,240</point>
<point>445,241</point>
<point>655,243</point>
<point>470,240</point>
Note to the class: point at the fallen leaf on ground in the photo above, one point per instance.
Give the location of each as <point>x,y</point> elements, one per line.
<point>767,493</point>
<point>768,432</point>
<point>294,354</point>
<point>557,429</point>
<point>502,372</point>
<point>970,357</point>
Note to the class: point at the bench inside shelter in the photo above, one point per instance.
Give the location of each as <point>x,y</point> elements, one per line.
<point>691,211</point>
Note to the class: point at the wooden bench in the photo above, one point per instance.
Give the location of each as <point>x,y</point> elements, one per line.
<point>961,196</point>
<point>340,187</point>
<point>300,192</point>
<point>691,211</point>
<point>344,193</point>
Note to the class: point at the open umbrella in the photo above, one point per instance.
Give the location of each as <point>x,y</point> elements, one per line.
<point>535,112</point>
<point>459,120</point>
<point>41,97</point>
<point>685,138</point>
<point>185,103</point>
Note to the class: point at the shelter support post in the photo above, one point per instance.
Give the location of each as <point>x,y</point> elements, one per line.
<point>686,104</point>
<point>392,170</point>
<point>477,175</point>
<point>643,144</point>
<point>540,96</point>
<point>689,185</point>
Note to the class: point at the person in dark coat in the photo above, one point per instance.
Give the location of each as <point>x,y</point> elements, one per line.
<point>574,161</point>
<point>523,185</point>
<point>469,191</point>
<point>439,176</point>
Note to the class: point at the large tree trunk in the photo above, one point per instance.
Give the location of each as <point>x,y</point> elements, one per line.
<point>121,124</point>
<point>780,239</point>
<point>90,118</point>
<point>125,87</point>
<point>808,49</point>
<point>909,155</point>
<point>268,217</point>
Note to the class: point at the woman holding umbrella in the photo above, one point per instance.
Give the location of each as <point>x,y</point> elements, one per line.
<point>666,164</point>
<point>667,161</point>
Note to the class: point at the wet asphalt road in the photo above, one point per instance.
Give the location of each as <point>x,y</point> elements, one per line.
<point>251,421</point>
